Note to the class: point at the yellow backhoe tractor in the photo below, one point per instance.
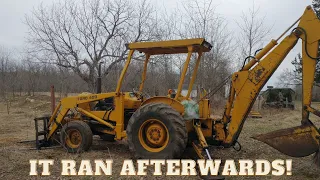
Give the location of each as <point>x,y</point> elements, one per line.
<point>155,127</point>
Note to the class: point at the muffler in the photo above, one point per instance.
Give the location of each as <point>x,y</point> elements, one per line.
<point>297,141</point>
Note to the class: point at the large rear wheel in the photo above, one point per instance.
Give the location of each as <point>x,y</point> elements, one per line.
<point>157,131</point>
<point>76,136</point>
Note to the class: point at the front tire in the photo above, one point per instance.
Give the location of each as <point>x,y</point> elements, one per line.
<point>76,136</point>
<point>157,131</point>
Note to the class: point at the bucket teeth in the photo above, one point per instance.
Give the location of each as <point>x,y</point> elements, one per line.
<point>297,141</point>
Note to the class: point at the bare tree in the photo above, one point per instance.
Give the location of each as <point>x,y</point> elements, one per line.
<point>77,35</point>
<point>203,22</point>
<point>285,79</point>
<point>82,33</point>
<point>253,31</point>
<point>34,71</point>
<point>5,64</point>
<point>13,72</point>
<point>294,76</point>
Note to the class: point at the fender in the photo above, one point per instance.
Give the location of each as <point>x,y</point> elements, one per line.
<point>166,100</point>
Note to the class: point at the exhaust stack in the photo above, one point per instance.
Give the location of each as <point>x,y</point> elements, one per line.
<point>99,79</point>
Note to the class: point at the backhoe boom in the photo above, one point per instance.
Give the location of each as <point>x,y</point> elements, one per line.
<point>248,82</point>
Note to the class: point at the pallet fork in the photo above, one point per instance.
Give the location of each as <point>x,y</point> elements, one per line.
<point>42,142</point>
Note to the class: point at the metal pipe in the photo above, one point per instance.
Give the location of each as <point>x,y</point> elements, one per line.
<point>53,99</point>
<point>124,70</point>
<point>95,117</point>
<point>54,113</point>
<point>263,52</point>
<point>99,79</point>
<point>144,72</point>
<point>183,74</point>
<point>288,29</point>
<point>229,104</point>
<point>194,74</point>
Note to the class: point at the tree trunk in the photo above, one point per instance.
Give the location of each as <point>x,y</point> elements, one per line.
<point>91,86</point>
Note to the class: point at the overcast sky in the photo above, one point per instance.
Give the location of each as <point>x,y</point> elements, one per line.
<point>279,14</point>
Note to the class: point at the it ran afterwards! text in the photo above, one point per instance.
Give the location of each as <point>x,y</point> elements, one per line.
<point>174,167</point>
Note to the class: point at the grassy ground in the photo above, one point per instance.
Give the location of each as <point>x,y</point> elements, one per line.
<point>18,126</point>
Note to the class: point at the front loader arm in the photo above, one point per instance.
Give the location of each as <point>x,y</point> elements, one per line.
<point>248,82</point>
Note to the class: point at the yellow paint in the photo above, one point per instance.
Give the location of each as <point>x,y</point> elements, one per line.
<point>131,102</point>
<point>54,113</point>
<point>245,86</point>
<point>263,52</point>
<point>84,103</point>
<point>227,111</point>
<point>95,117</point>
<point>202,140</point>
<point>220,133</point>
<point>194,74</point>
<point>171,47</point>
<point>247,83</point>
<point>204,108</point>
<point>144,74</point>
<point>119,113</point>
<point>124,71</point>
<point>73,138</point>
<point>311,24</point>
<point>207,132</point>
<point>59,118</point>
<point>166,100</point>
<point>153,135</point>
<point>184,71</point>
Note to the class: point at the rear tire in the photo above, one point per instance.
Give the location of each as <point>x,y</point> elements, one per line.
<point>76,136</point>
<point>157,131</point>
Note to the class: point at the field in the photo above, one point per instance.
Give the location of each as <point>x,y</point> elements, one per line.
<point>18,126</point>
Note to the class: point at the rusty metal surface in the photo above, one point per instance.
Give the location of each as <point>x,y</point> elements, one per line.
<point>257,74</point>
<point>296,142</point>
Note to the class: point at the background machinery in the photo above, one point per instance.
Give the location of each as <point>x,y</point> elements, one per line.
<point>155,127</point>
<point>278,97</point>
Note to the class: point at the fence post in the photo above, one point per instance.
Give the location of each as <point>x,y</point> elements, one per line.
<point>53,99</point>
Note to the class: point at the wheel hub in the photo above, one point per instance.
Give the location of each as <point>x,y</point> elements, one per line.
<point>74,138</point>
<point>153,135</point>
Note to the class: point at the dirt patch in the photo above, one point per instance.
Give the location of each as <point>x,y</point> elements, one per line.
<point>19,126</point>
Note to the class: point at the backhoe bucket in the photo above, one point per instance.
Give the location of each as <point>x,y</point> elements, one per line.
<point>297,141</point>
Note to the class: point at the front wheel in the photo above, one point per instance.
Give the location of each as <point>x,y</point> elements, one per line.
<point>76,136</point>
<point>157,131</point>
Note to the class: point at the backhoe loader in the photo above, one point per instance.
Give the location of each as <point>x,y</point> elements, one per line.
<point>155,127</point>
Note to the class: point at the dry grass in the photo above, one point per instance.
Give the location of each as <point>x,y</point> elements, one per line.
<point>19,126</point>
